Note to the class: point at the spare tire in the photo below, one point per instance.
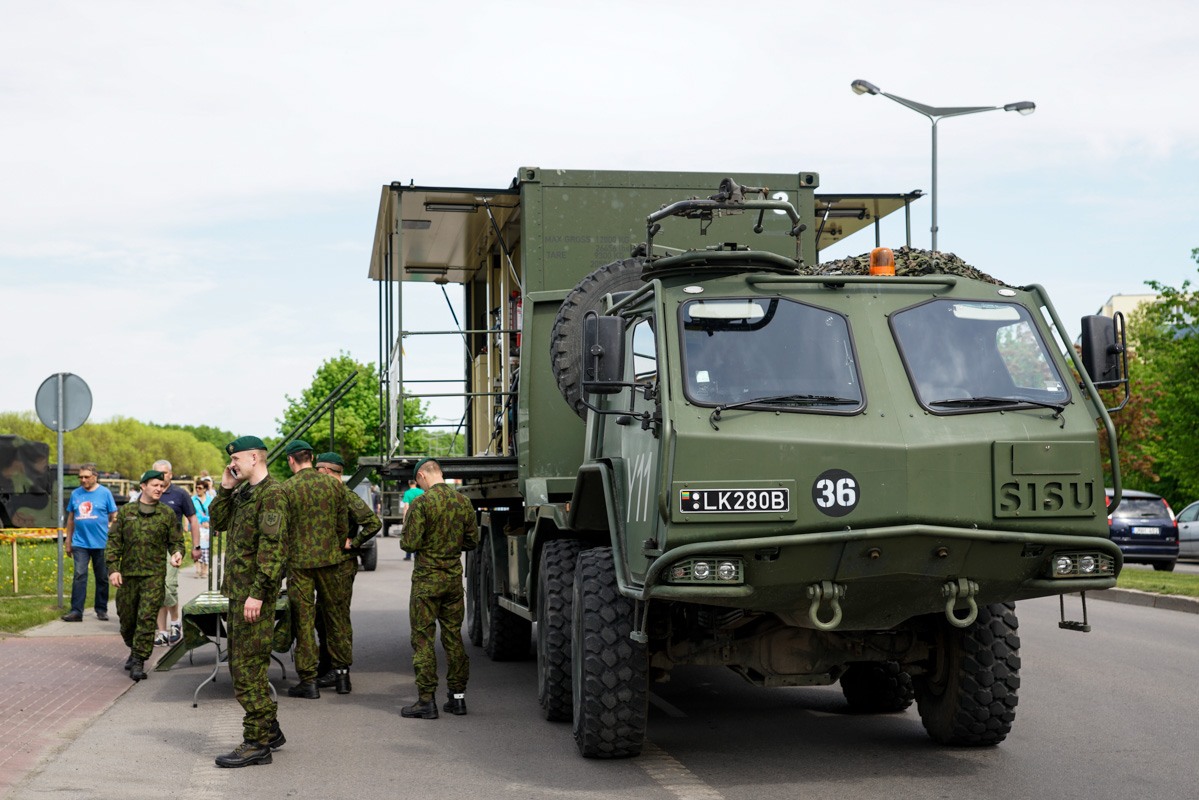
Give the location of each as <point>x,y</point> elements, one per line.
<point>566,337</point>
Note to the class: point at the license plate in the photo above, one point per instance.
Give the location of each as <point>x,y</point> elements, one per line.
<point>734,501</point>
<point>1147,531</point>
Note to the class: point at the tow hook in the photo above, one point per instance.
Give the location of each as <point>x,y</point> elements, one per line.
<point>961,589</point>
<point>825,590</point>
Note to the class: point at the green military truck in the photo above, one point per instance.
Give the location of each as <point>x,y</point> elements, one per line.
<point>690,443</point>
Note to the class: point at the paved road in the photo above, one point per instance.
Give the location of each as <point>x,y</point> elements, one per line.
<point>1102,715</point>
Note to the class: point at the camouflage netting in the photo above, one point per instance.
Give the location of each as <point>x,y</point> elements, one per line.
<point>908,261</point>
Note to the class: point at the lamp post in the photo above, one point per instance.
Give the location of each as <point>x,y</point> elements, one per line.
<point>936,115</point>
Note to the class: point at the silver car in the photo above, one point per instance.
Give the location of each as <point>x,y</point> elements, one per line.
<point>1188,531</point>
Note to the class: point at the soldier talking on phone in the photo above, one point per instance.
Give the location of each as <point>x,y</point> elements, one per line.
<point>251,507</point>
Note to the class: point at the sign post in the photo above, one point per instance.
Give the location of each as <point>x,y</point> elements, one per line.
<point>63,403</point>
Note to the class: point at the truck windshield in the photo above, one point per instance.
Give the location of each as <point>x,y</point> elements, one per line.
<point>976,356</point>
<point>789,355</point>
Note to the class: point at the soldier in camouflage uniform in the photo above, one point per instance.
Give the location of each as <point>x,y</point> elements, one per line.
<point>336,655</point>
<point>440,525</point>
<point>316,505</point>
<point>137,540</point>
<point>251,507</point>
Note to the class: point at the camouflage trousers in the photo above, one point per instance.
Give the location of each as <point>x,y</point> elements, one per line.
<point>138,601</point>
<point>249,657</point>
<point>325,661</point>
<point>322,593</point>
<point>437,598</point>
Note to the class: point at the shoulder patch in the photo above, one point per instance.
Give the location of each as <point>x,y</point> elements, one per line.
<point>271,518</point>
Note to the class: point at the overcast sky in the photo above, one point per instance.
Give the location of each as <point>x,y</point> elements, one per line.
<point>188,192</point>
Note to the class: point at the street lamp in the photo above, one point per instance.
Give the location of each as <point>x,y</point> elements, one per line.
<point>936,115</point>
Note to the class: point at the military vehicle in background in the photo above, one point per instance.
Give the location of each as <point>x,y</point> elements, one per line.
<point>693,444</point>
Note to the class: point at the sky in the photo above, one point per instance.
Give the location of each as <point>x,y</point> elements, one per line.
<point>188,192</point>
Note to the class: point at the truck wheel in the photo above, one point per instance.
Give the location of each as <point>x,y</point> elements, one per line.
<point>1164,566</point>
<point>505,636</point>
<point>370,558</point>
<point>566,336</point>
<point>610,672</point>
<point>555,593</point>
<point>969,697</point>
<point>474,619</point>
<point>877,688</point>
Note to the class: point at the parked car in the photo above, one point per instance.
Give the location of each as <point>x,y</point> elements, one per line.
<point>1145,530</point>
<point>1188,531</point>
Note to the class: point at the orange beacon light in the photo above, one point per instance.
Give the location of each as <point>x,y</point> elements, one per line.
<point>882,261</point>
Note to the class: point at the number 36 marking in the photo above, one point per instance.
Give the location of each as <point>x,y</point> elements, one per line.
<point>835,492</point>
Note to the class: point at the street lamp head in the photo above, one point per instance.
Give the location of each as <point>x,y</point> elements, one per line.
<point>1025,107</point>
<point>864,87</point>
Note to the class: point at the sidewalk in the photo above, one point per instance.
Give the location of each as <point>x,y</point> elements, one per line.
<point>58,678</point>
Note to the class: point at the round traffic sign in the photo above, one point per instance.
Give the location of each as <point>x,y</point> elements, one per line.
<point>76,402</point>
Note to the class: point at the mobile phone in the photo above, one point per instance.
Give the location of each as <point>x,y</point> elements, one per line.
<point>233,471</point>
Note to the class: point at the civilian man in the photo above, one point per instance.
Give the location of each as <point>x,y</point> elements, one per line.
<point>179,501</point>
<point>91,509</point>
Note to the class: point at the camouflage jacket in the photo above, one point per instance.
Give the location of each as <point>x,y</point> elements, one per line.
<point>139,538</point>
<point>255,522</point>
<point>439,526</point>
<point>317,520</point>
<point>363,523</point>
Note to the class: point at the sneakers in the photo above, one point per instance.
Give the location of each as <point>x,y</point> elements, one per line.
<point>246,754</point>
<point>72,616</point>
<point>161,638</point>
<point>176,634</point>
<point>423,708</point>
<point>455,704</point>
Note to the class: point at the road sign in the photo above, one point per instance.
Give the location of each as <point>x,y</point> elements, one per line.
<point>75,406</point>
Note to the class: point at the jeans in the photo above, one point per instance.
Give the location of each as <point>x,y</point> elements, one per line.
<point>82,556</point>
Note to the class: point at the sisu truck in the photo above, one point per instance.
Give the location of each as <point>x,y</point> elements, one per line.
<point>691,443</point>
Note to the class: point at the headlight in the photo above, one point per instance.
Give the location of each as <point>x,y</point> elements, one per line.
<point>1087,565</point>
<point>708,570</point>
<point>727,571</point>
<point>701,571</point>
<point>1063,565</point>
<point>1082,565</point>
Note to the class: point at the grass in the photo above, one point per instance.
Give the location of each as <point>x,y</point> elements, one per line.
<point>1159,582</point>
<point>37,565</point>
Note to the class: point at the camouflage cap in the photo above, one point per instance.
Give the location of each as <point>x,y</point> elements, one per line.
<point>244,443</point>
<point>330,458</point>
<point>151,474</point>
<point>422,462</point>
<point>297,446</point>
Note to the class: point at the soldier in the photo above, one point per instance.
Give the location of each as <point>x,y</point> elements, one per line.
<point>315,560</point>
<point>439,526</point>
<point>336,657</point>
<point>251,507</point>
<point>141,534</point>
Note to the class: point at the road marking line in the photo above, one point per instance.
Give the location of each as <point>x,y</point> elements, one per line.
<point>673,776</point>
<point>671,711</point>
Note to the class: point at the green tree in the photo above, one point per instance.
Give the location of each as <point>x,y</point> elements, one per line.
<point>205,433</point>
<point>357,428</point>
<point>1166,340</point>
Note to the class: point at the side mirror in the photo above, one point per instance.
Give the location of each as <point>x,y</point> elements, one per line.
<point>603,354</point>
<point>1104,354</point>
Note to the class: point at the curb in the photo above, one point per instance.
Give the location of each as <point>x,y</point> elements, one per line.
<point>1170,602</point>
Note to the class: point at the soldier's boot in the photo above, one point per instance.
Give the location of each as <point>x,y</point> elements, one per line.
<point>246,754</point>
<point>137,669</point>
<point>342,679</point>
<point>423,708</point>
<point>305,689</point>
<point>328,679</point>
<point>276,739</point>
<point>455,704</point>
<point>129,661</point>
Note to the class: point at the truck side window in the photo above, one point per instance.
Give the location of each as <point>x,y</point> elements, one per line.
<point>645,352</point>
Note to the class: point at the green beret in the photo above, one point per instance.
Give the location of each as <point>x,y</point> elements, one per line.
<point>297,446</point>
<point>151,474</point>
<point>244,443</point>
<point>330,458</point>
<point>421,463</point>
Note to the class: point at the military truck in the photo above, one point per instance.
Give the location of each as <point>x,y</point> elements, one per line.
<point>693,444</point>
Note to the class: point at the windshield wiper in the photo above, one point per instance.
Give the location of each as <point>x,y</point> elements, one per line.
<point>804,399</point>
<point>967,402</point>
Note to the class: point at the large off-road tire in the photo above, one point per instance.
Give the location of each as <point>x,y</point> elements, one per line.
<point>969,697</point>
<point>474,616</point>
<point>555,597</point>
<point>505,636</point>
<point>610,672</point>
<point>370,558</point>
<point>877,688</point>
<point>566,336</point>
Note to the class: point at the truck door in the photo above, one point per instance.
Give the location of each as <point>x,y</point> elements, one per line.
<point>640,447</point>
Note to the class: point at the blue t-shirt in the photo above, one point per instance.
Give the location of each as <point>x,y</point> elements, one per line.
<point>91,510</point>
<point>179,501</point>
<point>201,504</point>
